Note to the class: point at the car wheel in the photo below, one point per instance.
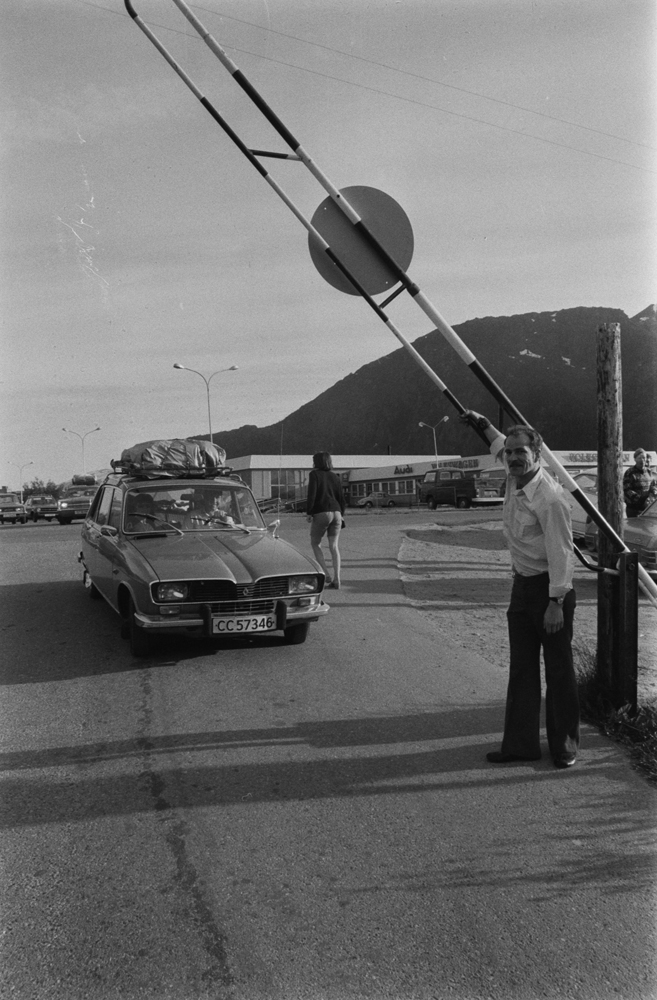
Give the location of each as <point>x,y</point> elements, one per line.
<point>296,634</point>
<point>462,503</point>
<point>391,503</point>
<point>368,505</point>
<point>65,520</point>
<point>34,518</point>
<point>140,643</point>
<point>2,520</point>
<point>431,503</point>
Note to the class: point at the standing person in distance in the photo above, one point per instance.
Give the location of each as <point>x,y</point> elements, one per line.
<point>538,532</point>
<point>325,510</point>
<point>639,487</point>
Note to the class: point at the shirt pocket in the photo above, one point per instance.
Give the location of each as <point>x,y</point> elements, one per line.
<point>527,525</point>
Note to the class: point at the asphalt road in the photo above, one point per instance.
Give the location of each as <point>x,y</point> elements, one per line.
<point>247,820</point>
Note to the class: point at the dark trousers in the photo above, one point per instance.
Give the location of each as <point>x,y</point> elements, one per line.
<point>529,600</point>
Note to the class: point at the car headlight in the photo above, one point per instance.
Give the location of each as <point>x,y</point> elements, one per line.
<point>302,584</point>
<point>171,591</point>
<point>62,504</point>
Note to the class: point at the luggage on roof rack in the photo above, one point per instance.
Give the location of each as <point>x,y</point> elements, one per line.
<point>172,457</point>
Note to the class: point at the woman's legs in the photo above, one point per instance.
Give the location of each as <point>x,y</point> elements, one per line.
<point>328,522</point>
<point>333,538</point>
<point>318,528</point>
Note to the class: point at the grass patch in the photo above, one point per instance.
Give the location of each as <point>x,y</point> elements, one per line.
<point>636,732</point>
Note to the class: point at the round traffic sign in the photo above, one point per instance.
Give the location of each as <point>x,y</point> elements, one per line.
<point>385,219</point>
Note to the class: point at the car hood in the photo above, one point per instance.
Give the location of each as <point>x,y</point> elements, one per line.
<point>226,555</point>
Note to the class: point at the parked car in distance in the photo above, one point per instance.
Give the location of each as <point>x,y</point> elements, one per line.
<point>490,486</point>
<point>41,505</point>
<point>452,487</point>
<point>75,503</point>
<point>11,509</point>
<point>379,499</point>
<point>192,555</point>
<point>640,535</point>
<point>588,484</point>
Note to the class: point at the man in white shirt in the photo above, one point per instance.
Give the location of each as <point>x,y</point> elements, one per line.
<point>538,532</point>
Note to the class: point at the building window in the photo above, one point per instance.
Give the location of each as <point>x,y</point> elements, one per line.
<point>289,484</point>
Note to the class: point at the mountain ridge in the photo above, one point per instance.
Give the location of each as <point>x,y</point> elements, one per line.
<point>544,362</point>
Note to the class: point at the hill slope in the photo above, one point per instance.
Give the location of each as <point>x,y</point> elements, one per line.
<point>544,362</point>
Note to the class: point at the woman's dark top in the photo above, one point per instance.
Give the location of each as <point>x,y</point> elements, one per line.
<point>324,492</point>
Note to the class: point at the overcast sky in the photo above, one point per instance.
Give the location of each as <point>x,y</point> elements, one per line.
<point>517,135</point>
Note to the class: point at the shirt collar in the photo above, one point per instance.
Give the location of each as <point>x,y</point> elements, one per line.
<point>529,488</point>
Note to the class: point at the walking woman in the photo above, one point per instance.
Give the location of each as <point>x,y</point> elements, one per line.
<point>325,509</point>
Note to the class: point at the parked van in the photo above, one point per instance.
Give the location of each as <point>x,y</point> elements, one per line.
<point>453,487</point>
<point>491,486</point>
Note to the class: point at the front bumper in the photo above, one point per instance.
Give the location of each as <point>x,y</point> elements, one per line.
<point>285,615</point>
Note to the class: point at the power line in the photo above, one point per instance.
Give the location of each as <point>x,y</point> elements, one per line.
<point>433,107</point>
<point>428,79</point>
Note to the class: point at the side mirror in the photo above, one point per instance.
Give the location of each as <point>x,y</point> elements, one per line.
<point>109,531</point>
<point>273,528</point>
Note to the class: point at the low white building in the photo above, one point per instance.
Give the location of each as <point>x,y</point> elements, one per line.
<point>286,476</point>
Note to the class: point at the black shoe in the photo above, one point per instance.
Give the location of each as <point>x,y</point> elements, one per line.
<point>499,757</point>
<point>564,760</point>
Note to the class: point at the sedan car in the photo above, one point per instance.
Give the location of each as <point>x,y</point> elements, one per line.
<point>11,509</point>
<point>75,503</point>
<point>376,500</point>
<point>639,534</point>
<point>192,555</point>
<point>588,483</point>
<point>43,505</point>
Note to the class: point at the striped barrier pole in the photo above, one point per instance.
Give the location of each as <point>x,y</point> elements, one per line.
<point>299,153</point>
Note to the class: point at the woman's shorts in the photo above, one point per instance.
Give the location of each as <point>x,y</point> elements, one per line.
<point>328,523</point>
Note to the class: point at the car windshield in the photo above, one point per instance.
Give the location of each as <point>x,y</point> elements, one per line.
<point>210,507</point>
<point>651,509</point>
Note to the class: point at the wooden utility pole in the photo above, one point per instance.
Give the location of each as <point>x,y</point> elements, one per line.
<point>617,648</point>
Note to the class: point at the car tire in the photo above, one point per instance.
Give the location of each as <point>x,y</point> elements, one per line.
<point>462,503</point>
<point>391,503</point>
<point>34,518</point>
<point>368,505</point>
<point>140,642</point>
<point>431,503</point>
<point>296,634</point>
<point>65,520</point>
<point>2,520</point>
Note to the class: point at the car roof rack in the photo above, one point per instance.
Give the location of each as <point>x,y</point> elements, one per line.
<point>129,471</point>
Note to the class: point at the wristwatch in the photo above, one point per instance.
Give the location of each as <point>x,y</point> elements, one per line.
<point>557,600</point>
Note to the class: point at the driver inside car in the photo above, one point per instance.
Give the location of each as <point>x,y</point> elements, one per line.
<point>141,516</point>
<point>208,507</point>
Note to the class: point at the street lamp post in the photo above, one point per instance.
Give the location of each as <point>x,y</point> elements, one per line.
<point>82,437</point>
<point>20,473</point>
<point>432,428</point>
<point>233,368</point>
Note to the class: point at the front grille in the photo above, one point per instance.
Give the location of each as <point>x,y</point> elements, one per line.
<point>207,591</point>
<point>273,586</point>
<point>243,608</point>
<point>204,591</point>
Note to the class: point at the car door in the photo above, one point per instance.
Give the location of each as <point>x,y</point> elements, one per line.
<point>99,518</point>
<point>109,512</point>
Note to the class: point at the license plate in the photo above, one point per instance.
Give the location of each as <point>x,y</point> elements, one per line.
<point>237,626</point>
